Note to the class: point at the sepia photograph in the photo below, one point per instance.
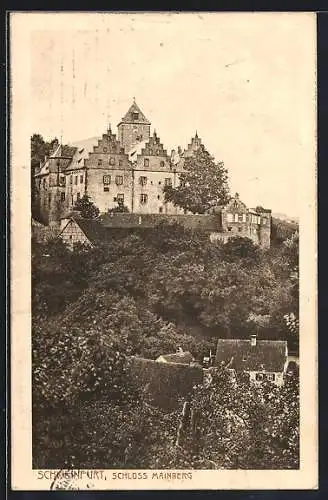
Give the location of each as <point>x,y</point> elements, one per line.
<point>167,249</point>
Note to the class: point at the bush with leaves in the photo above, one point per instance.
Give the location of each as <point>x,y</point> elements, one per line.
<point>86,207</point>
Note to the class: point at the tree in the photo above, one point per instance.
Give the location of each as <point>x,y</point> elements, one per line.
<point>203,184</point>
<point>120,208</point>
<point>241,248</point>
<point>86,207</point>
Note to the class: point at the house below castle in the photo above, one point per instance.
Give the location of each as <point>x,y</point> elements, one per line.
<point>259,359</point>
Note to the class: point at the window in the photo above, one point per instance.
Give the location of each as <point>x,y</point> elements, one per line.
<point>112,161</point>
<point>106,189</point>
<point>120,198</point>
<point>229,228</point>
<point>264,221</point>
<point>62,180</point>
<point>168,181</point>
<point>162,164</point>
<point>135,116</point>
<point>244,217</point>
<point>271,377</point>
<point>146,162</point>
<point>159,183</point>
<point>105,150</point>
<point>78,196</point>
<point>236,218</point>
<point>160,210</point>
<point>158,197</point>
<point>229,217</point>
<point>259,377</point>
<point>49,198</point>
<point>75,180</point>
<point>81,179</point>
<point>71,179</point>
<point>100,161</point>
<point>240,229</point>
<point>143,198</point>
<point>119,180</point>
<point>143,181</point>
<point>120,163</point>
<point>106,180</point>
<point>62,196</point>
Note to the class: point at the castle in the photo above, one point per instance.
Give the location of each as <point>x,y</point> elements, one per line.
<point>132,168</point>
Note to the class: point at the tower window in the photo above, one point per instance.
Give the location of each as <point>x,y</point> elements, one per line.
<point>75,180</point>
<point>143,198</point>
<point>120,163</point>
<point>162,164</point>
<point>229,217</point>
<point>119,180</point>
<point>106,179</point>
<point>244,217</point>
<point>236,218</point>
<point>62,196</point>
<point>81,179</point>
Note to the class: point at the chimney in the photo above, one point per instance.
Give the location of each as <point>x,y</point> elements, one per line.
<point>253,340</point>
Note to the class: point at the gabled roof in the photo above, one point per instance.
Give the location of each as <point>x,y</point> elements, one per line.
<point>266,355</point>
<point>178,357</point>
<point>82,150</point>
<point>129,118</point>
<point>92,228</point>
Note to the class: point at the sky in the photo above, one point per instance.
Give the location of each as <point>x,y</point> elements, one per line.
<point>245,82</point>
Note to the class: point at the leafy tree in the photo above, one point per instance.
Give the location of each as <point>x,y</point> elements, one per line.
<point>86,207</point>
<point>120,208</point>
<point>203,184</point>
<point>241,248</point>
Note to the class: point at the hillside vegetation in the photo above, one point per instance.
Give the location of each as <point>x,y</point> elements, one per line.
<point>146,294</point>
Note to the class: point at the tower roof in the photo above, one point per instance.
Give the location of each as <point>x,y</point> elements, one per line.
<point>134,115</point>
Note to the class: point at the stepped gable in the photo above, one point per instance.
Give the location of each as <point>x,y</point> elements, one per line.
<point>194,145</point>
<point>108,144</point>
<point>154,147</point>
<point>134,115</point>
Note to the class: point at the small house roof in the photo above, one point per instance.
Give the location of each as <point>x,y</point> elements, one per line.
<point>268,355</point>
<point>92,228</point>
<point>178,357</point>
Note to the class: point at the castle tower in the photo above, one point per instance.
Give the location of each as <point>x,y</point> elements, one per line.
<point>133,128</point>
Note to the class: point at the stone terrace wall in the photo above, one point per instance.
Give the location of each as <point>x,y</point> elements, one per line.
<point>210,223</point>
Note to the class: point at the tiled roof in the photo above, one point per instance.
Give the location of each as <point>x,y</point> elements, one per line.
<point>129,118</point>
<point>268,355</point>
<point>82,150</point>
<point>92,228</point>
<point>165,383</point>
<point>178,357</point>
